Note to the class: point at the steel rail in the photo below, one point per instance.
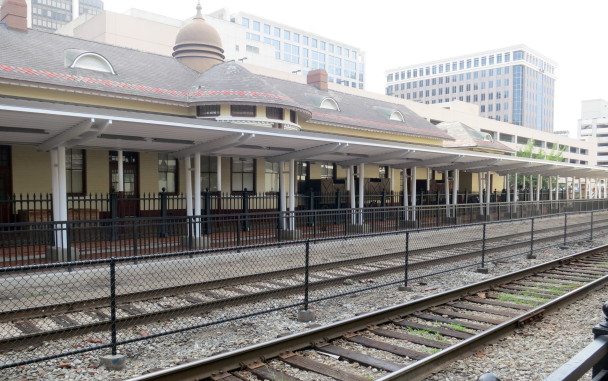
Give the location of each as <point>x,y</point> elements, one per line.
<point>201,369</point>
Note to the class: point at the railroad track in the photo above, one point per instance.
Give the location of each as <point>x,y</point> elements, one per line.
<point>412,340</point>
<point>22,327</point>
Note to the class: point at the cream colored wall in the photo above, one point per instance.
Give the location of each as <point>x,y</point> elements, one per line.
<point>226,175</point>
<point>98,171</point>
<point>148,172</point>
<point>31,170</point>
<point>260,171</point>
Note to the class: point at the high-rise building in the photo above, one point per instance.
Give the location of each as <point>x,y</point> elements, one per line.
<point>514,84</point>
<point>594,125</point>
<point>50,15</point>
<point>345,64</point>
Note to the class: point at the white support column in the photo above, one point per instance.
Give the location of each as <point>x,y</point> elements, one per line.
<point>488,193</point>
<point>56,198</point>
<point>361,193</point>
<point>531,189</point>
<point>353,203</point>
<point>428,179</point>
<point>121,178</point>
<point>292,194</point>
<point>557,188</point>
<point>413,193</point>
<point>405,196</point>
<point>539,184</point>
<point>456,181</point>
<point>282,194</point>
<point>446,191</point>
<point>197,193</point>
<point>219,173</point>
<point>480,184</point>
<point>391,180</point>
<point>348,179</point>
<point>188,177</point>
<point>551,188</point>
<point>63,191</point>
<point>508,188</point>
<point>568,190</point>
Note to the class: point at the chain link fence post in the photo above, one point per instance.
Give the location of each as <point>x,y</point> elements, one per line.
<point>591,228</point>
<point>306,315</point>
<point>564,245</point>
<point>531,253</point>
<point>483,269</point>
<point>404,286</point>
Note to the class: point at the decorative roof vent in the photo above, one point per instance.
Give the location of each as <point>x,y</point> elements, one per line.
<point>398,116</point>
<point>79,59</point>
<point>329,104</point>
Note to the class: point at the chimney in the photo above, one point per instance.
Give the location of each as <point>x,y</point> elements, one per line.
<point>14,14</point>
<point>317,78</point>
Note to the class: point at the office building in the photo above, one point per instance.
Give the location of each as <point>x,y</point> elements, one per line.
<point>245,37</point>
<point>50,15</point>
<point>593,126</point>
<point>515,84</point>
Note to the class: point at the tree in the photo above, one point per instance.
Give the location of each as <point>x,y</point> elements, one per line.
<point>556,154</point>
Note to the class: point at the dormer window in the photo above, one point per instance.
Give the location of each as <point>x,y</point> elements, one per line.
<point>242,110</point>
<point>329,104</point>
<point>398,116</point>
<point>92,61</point>
<point>206,111</point>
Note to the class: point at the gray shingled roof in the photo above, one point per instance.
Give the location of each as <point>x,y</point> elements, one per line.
<point>36,56</point>
<point>229,82</point>
<point>40,58</point>
<point>357,111</point>
<point>467,137</point>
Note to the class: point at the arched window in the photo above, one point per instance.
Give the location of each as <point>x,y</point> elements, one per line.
<point>329,104</point>
<point>93,61</point>
<point>398,116</point>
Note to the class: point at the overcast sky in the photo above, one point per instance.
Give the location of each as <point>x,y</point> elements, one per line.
<point>398,33</point>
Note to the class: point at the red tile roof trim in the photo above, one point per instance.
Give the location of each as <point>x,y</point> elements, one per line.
<point>108,83</point>
<point>370,122</point>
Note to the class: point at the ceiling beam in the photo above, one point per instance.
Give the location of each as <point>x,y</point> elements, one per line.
<point>482,164</point>
<point>94,132</point>
<point>308,153</point>
<point>377,158</point>
<point>217,145</point>
<point>62,138</point>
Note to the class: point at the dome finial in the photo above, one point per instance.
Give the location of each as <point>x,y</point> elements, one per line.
<point>199,15</point>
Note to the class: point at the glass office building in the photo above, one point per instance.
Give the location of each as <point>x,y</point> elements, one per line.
<point>344,64</point>
<point>50,15</point>
<point>514,84</point>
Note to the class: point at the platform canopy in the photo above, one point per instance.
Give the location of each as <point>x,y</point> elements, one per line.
<point>48,125</point>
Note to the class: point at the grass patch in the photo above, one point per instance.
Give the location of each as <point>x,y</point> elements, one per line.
<point>533,301</point>
<point>455,327</point>
<point>427,334</point>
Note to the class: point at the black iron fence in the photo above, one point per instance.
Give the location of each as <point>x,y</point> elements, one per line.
<point>26,243</point>
<point>194,289</point>
<point>39,207</point>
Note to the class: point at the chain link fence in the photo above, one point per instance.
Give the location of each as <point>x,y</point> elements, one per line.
<point>108,301</point>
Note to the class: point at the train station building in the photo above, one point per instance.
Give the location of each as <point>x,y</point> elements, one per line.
<point>79,117</point>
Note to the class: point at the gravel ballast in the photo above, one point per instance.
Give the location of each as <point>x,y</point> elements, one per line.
<point>531,354</point>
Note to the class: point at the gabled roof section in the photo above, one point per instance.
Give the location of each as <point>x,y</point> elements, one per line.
<point>40,58</point>
<point>467,137</point>
<point>231,83</point>
<point>357,111</point>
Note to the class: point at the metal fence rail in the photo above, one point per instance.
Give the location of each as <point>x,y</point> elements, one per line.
<point>298,274</point>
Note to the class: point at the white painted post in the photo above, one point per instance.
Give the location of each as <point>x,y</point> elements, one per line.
<point>480,185</point>
<point>446,191</point>
<point>508,188</point>
<point>488,191</point>
<point>456,182</point>
<point>188,170</point>
<point>539,184</point>
<point>348,179</point>
<point>282,194</point>
<point>353,203</point>
<point>405,196</point>
<point>197,194</point>
<point>56,198</point>
<point>121,179</point>
<point>63,190</point>
<point>413,193</point>
<point>219,173</point>
<point>361,192</point>
<point>292,194</point>
<point>550,188</point>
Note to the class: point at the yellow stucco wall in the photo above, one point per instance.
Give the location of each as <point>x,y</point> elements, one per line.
<point>31,170</point>
<point>94,100</point>
<point>98,171</point>
<point>368,134</point>
<point>148,172</point>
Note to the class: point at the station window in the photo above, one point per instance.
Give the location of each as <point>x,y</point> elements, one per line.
<point>242,110</point>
